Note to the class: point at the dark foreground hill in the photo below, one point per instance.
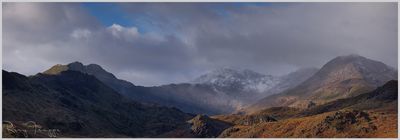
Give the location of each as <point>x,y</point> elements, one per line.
<point>79,105</point>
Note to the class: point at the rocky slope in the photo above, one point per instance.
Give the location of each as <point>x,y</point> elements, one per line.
<point>205,127</point>
<point>342,77</point>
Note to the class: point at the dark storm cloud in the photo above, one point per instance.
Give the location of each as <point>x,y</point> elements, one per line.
<point>183,40</point>
<point>296,34</point>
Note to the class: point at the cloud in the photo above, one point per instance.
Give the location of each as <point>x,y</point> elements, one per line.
<point>118,31</point>
<point>285,34</point>
<point>184,40</point>
<point>81,34</point>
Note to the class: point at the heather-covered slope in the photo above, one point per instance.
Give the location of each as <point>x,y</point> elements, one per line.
<point>337,124</point>
<point>372,114</point>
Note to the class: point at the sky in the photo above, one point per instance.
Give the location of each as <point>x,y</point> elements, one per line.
<point>160,43</point>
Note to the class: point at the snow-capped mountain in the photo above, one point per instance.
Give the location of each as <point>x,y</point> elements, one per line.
<point>244,80</point>
<point>246,86</point>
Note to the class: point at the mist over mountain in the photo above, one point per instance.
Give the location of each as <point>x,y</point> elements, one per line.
<point>248,86</point>
<point>292,79</point>
<point>244,86</point>
<point>246,79</point>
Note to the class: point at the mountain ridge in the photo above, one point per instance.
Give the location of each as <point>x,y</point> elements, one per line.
<point>223,97</point>
<point>341,77</point>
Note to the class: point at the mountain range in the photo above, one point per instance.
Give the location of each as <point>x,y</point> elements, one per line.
<point>221,91</point>
<point>350,96</point>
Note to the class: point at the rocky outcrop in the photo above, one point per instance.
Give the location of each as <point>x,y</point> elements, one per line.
<point>203,126</point>
<point>345,120</point>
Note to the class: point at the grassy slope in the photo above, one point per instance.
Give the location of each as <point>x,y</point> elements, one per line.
<point>386,126</point>
<point>379,105</point>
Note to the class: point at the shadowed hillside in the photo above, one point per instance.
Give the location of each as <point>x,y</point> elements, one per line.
<point>79,105</point>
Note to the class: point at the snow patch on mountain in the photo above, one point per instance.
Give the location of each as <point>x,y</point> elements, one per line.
<point>246,80</point>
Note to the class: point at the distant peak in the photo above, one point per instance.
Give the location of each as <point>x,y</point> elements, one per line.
<point>91,69</point>
<point>56,69</point>
<point>93,65</point>
<point>351,56</point>
<point>75,66</point>
<point>346,59</point>
<point>225,69</point>
<point>75,63</point>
